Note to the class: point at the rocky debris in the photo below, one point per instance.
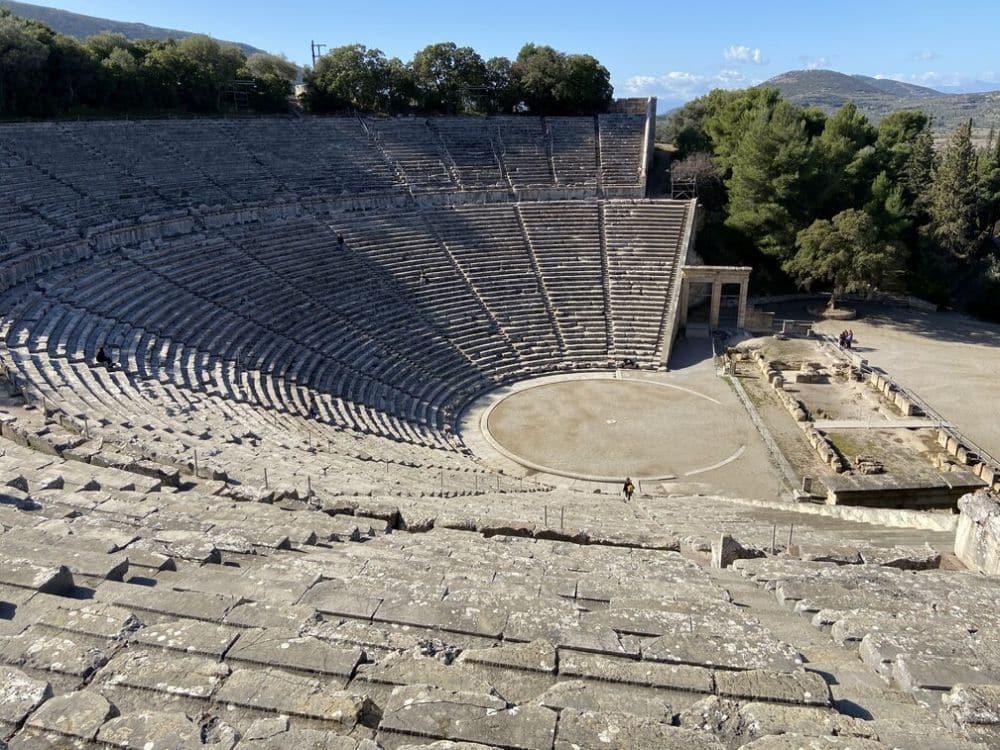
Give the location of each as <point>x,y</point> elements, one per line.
<point>712,714</point>
<point>725,550</point>
<point>865,464</point>
<point>761,719</point>
<point>973,704</point>
<point>438,649</point>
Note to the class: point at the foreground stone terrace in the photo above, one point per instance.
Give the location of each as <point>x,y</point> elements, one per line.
<point>138,605</point>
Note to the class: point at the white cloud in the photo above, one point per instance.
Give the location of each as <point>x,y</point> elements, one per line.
<point>924,56</point>
<point>814,63</point>
<point>743,54</point>
<point>683,85</point>
<point>933,78</point>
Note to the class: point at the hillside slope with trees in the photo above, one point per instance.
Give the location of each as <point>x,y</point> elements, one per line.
<point>80,26</point>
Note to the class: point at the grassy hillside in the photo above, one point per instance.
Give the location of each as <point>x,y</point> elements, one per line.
<point>81,26</point>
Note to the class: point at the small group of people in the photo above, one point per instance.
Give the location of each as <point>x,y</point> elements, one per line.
<point>846,339</point>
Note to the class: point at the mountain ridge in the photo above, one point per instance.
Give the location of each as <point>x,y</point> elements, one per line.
<point>80,26</point>
<point>877,97</point>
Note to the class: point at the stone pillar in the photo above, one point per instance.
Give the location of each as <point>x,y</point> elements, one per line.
<point>741,315</point>
<point>713,316</point>
<point>684,302</point>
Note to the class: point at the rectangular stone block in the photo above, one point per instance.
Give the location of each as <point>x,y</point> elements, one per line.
<point>806,688</point>
<point>423,711</point>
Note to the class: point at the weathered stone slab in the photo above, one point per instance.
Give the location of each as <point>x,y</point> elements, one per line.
<point>425,711</point>
<point>880,650</point>
<point>780,687</point>
<point>336,598</point>
<point>588,730</point>
<point>730,644</point>
<point>65,653</point>
<point>196,606</point>
<point>269,615</point>
<point>285,693</point>
<point>80,562</point>
<point>189,636</point>
<point>586,695</point>
<point>410,668</point>
<point>89,618</point>
<point>78,714</point>
<point>152,730</point>
<point>164,672</point>
<point>27,575</point>
<point>285,649</point>
<point>922,672</point>
<point>486,619</point>
<point>536,656</point>
<point>278,734</point>
<point>628,671</point>
<point>20,695</point>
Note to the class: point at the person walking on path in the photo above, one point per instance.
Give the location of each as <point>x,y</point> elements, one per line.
<point>628,489</point>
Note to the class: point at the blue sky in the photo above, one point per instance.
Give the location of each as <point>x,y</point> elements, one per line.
<point>672,50</point>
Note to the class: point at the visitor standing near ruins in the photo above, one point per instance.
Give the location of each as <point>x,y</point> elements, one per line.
<point>628,489</point>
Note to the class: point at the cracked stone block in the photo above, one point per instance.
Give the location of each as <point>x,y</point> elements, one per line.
<point>78,714</point>
<point>430,712</point>
<point>20,695</point>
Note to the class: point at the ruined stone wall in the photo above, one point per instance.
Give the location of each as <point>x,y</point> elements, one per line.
<point>977,539</point>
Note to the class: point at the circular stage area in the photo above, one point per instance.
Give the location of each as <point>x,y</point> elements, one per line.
<point>599,427</point>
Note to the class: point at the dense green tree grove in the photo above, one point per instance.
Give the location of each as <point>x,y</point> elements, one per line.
<point>447,79</point>
<point>43,73</point>
<point>835,203</point>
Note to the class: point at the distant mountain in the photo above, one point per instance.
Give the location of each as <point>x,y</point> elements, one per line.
<point>878,97</point>
<point>81,26</point>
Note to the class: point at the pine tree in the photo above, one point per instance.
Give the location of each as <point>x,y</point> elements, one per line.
<point>772,168</point>
<point>953,197</point>
<point>989,187</point>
